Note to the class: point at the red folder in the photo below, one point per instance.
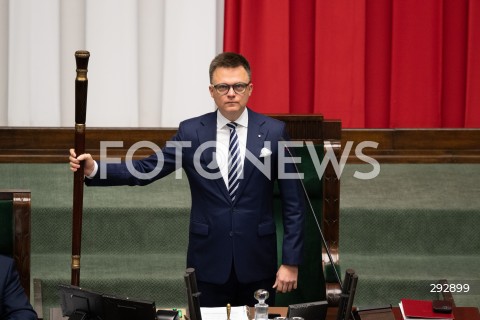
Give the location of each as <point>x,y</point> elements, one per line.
<point>422,309</point>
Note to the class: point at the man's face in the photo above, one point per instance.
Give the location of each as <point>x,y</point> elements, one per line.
<point>231,104</point>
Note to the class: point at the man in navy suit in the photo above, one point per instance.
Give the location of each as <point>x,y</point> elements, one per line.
<point>232,239</point>
<point>14,303</point>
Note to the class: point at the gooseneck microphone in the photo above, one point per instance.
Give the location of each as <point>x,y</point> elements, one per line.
<point>324,242</point>
<point>348,288</point>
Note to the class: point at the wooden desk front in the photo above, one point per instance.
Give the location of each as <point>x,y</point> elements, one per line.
<point>461,313</point>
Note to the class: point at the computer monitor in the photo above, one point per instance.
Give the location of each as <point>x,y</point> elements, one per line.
<point>79,303</point>
<point>120,308</point>
<point>316,310</point>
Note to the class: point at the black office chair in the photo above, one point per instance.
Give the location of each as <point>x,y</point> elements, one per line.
<point>15,231</point>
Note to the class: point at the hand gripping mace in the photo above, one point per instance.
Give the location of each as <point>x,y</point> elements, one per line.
<point>81,85</point>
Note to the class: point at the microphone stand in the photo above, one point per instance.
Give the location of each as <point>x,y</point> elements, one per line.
<point>345,290</point>
<point>324,242</point>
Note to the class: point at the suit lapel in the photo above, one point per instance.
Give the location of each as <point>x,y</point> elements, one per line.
<point>255,142</point>
<point>207,133</point>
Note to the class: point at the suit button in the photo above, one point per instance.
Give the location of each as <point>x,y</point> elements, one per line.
<point>231,233</point>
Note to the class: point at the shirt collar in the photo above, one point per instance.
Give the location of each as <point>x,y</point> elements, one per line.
<point>242,120</point>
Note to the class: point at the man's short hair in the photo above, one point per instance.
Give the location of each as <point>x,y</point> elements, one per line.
<point>229,60</point>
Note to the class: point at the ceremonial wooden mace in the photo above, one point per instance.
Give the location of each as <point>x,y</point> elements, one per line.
<point>81,85</point>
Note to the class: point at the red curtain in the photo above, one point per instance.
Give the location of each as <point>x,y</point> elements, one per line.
<point>370,63</point>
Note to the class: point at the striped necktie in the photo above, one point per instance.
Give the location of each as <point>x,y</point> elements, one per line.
<point>234,166</point>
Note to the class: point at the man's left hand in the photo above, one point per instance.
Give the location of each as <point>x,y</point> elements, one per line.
<point>286,278</point>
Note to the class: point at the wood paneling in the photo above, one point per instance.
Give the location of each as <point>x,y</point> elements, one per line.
<point>42,145</point>
<point>417,145</point>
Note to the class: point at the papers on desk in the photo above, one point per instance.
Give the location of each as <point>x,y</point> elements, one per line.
<point>220,313</point>
<point>421,310</point>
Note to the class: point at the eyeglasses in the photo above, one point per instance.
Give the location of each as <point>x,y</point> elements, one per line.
<point>223,88</point>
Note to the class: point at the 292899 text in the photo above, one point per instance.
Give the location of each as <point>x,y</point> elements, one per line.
<point>449,287</point>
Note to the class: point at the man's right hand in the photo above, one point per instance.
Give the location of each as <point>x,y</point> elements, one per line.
<point>75,162</point>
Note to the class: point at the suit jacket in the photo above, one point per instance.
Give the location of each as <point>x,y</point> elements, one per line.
<point>223,232</point>
<point>14,304</point>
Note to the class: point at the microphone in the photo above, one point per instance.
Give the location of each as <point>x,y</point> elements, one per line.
<point>324,242</point>
<point>348,288</point>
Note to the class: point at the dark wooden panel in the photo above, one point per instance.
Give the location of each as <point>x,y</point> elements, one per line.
<point>417,145</point>
<point>47,145</point>
<point>303,127</point>
<point>51,145</point>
